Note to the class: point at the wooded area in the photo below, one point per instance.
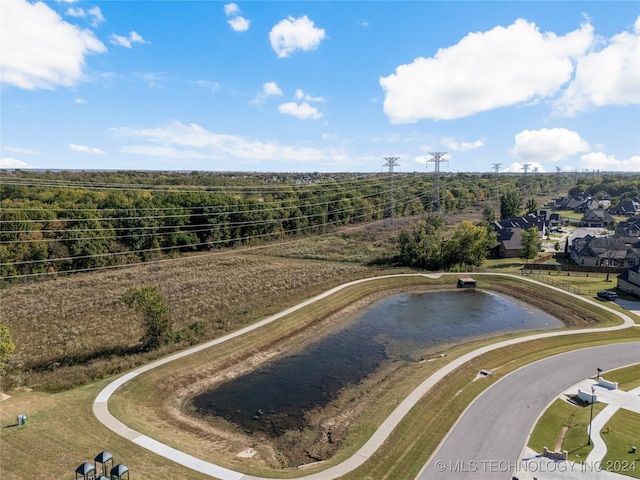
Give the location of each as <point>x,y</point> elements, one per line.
<point>67,221</point>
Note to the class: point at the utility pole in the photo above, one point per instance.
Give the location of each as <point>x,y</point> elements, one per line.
<point>437,158</point>
<point>390,211</point>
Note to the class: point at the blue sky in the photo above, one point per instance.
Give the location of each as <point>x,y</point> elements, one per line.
<point>330,86</point>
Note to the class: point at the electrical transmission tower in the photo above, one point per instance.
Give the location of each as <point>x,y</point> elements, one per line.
<point>496,169</point>
<point>525,187</point>
<point>437,159</point>
<point>390,211</point>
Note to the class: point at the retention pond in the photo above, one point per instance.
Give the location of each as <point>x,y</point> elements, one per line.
<point>274,398</point>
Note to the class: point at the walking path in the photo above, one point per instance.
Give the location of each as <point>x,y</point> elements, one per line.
<point>101,411</point>
<point>615,399</point>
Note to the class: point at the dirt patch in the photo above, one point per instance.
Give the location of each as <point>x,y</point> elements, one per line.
<point>563,433</point>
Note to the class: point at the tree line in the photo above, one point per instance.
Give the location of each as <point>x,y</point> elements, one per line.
<point>60,222</point>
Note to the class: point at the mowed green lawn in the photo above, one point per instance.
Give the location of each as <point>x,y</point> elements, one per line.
<point>564,415</point>
<point>621,433</point>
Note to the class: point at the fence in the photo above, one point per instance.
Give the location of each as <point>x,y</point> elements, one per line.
<point>553,278</point>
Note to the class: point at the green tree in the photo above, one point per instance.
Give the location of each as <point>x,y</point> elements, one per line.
<point>422,247</point>
<point>531,206</point>
<point>488,215</point>
<point>510,204</point>
<point>529,244</point>
<point>6,345</point>
<point>149,301</point>
<point>468,246</point>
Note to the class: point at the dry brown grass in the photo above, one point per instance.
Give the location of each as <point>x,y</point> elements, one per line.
<point>75,329</point>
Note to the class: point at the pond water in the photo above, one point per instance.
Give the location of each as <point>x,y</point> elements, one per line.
<point>275,397</point>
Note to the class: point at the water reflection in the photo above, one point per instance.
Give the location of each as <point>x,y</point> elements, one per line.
<point>274,398</point>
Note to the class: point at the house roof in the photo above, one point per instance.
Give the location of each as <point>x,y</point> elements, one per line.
<point>627,207</point>
<point>526,222</point>
<point>599,247</point>
<point>597,214</point>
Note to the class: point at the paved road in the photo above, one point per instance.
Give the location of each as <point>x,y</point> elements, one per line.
<point>487,441</point>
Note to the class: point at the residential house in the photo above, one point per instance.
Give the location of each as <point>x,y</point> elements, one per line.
<point>633,257</point>
<point>588,205</point>
<point>569,203</point>
<point>594,251</point>
<point>549,218</point>
<point>629,231</point>
<point>597,218</point>
<point>509,243</point>
<point>629,281</point>
<point>627,208</point>
<point>509,231</point>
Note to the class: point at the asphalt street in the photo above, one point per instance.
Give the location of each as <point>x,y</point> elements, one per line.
<point>486,443</point>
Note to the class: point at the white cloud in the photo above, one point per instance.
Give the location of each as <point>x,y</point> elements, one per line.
<point>518,167</point>
<point>462,146</point>
<point>80,101</point>
<point>485,70</point>
<point>293,34</point>
<point>23,151</point>
<point>609,76</point>
<point>231,9</point>
<point>196,142</point>
<point>8,162</point>
<point>237,22</point>
<point>548,145</point>
<point>153,80</point>
<point>127,41</point>
<point>213,86</point>
<point>94,14</point>
<point>300,95</point>
<point>40,50</point>
<point>269,89</point>
<point>85,149</point>
<point>302,110</point>
<point>604,162</point>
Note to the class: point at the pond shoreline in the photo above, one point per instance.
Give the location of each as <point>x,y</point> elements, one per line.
<point>329,424</point>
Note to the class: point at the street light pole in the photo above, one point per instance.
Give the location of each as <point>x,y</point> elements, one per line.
<point>593,390</point>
